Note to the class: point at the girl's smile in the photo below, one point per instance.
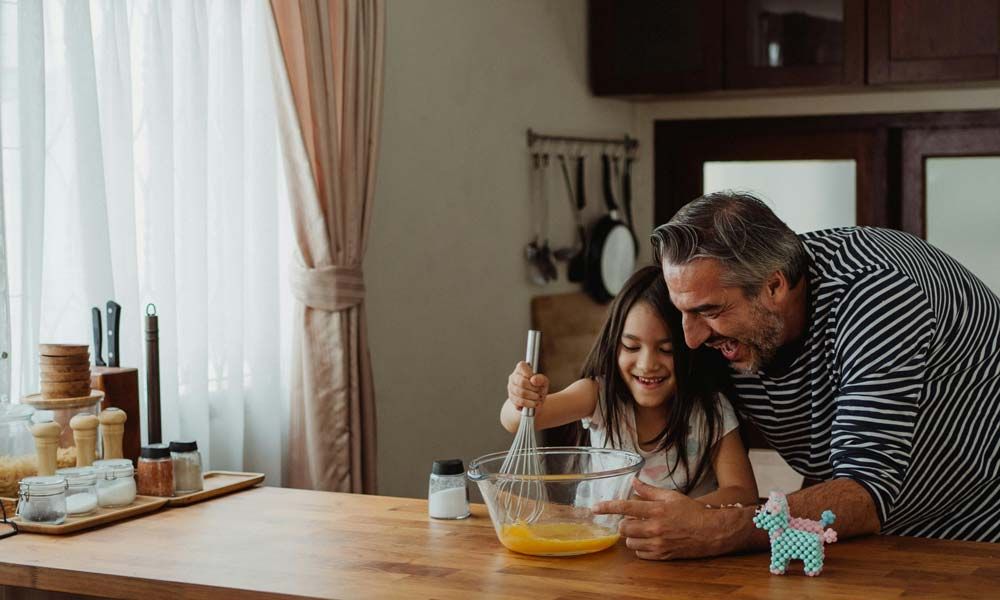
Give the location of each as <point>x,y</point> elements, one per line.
<point>645,357</point>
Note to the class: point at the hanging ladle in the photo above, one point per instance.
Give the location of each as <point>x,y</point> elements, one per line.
<point>576,254</point>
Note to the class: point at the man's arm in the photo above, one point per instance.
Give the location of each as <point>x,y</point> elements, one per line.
<point>666,524</point>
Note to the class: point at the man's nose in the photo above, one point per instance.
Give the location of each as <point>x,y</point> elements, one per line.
<point>695,330</point>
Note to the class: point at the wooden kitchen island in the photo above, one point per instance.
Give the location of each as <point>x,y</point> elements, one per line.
<point>282,543</point>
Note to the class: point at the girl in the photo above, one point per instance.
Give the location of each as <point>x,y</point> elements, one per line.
<point>643,390</point>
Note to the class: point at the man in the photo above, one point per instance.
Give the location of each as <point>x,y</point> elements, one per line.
<point>868,358</point>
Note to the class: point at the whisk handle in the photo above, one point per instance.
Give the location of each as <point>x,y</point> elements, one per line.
<point>531,357</point>
<point>534,345</point>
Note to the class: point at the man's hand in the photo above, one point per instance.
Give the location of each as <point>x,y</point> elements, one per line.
<point>665,524</point>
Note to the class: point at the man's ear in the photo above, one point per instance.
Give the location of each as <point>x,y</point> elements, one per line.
<point>776,288</point>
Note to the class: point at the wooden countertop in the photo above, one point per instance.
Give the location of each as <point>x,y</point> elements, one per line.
<point>282,543</point>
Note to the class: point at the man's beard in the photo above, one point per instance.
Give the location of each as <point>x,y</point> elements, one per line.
<point>764,338</point>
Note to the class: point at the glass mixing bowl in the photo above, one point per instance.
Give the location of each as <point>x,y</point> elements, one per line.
<point>552,514</point>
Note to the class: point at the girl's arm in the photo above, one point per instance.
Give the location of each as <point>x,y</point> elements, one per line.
<point>575,402</point>
<point>733,470</point>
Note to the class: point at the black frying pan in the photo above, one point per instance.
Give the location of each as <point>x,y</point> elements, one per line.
<point>611,247</point>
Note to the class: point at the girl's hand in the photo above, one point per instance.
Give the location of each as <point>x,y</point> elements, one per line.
<point>526,389</point>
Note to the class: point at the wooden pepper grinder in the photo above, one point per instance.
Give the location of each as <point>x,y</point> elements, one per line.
<point>112,429</point>
<point>85,437</point>
<point>46,446</point>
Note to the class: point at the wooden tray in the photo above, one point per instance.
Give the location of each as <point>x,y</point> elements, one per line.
<point>218,483</point>
<point>103,516</point>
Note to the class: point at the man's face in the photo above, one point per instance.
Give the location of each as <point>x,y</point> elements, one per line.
<point>747,331</point>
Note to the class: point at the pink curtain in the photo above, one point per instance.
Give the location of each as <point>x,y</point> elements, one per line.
<point>330,109</point>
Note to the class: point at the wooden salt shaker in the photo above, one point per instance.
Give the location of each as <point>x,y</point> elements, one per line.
<point>46,446</point>
<point>85,438</point>
<point>112,429</point>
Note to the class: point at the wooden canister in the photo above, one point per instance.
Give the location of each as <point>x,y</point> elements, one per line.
<point>84,438</point>
<point>112,430</point>
<point>46,446</point>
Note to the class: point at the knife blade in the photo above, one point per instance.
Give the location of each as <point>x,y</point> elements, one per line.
<point>98,336</point>
<point>114,319</point>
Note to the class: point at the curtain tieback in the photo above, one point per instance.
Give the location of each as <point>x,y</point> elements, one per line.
<point>332,288</point>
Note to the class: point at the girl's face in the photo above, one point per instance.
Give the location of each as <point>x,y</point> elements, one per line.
<point>645,357</point>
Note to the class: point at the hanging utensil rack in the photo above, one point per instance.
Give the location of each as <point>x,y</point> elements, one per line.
<point>628,143</point>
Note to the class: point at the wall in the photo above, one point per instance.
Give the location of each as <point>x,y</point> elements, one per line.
<point>448,298</point>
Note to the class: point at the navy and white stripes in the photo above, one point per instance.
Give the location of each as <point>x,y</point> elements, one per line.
<point>897,384</point>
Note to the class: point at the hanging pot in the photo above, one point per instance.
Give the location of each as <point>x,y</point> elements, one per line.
<point>611,248</point>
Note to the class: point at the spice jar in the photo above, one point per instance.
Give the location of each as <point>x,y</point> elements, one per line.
<point>155,472</point>
<point>447,496</point>
<point>42,499</point>
<point>187,467</point>
<point>81,490</point>
<point>115,482</point>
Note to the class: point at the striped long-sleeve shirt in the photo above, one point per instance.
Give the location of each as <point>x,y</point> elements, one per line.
<point>896,384</point>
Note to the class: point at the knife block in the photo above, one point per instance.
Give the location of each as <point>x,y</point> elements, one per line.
<point>121,390</point>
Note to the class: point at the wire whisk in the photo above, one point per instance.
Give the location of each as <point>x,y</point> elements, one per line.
<point>521,486</point>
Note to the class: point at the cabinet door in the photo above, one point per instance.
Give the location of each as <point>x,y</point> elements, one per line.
<point>654,46</point>
<point>950,178</point>
<point>777,159</point>
<point>773,43</point>
<point>930,40</point>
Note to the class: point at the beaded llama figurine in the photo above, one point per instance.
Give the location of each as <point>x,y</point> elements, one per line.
<point>794,538</point>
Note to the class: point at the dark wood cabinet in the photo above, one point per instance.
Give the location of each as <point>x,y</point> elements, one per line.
<point>654,46</point>
<point>775,43</point>
<point>929,40</point>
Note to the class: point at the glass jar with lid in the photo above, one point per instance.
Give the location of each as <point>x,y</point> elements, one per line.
<point>187,467</point>
<point>17,447</point>
<point>115,482</point>
<point>155,471</point>
<point>42,499</point>
<point>81,490</point>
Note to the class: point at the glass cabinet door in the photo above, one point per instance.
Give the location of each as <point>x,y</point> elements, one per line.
<point>950,183</point>
<point>806,194</point>
<point>963,214</point>
<point>794,42</point>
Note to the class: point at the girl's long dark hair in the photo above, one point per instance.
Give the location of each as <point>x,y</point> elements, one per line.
<point>697,372</point>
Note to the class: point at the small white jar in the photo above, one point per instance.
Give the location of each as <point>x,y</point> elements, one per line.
<point>42,499</point>
<point>115,482</point>
<point>81,490</point>
<point>447,496</point>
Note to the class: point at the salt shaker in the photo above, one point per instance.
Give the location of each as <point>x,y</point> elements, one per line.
<point>447,495</point>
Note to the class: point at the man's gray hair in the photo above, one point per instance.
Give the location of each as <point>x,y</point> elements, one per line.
<point>738,230</point>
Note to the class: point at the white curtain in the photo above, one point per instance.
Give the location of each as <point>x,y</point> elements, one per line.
<point>140,163</point>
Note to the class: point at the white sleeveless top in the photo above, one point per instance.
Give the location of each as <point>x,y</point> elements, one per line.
<point>656,471</point>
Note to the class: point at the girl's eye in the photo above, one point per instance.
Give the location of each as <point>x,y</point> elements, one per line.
<point>630,348</point>
<point>667,350</point>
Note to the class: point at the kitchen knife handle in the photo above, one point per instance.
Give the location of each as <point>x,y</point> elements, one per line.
<point>114,320</point>
<point>98,336</point>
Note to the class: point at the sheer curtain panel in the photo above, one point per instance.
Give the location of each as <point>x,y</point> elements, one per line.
<point>140,163</point>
